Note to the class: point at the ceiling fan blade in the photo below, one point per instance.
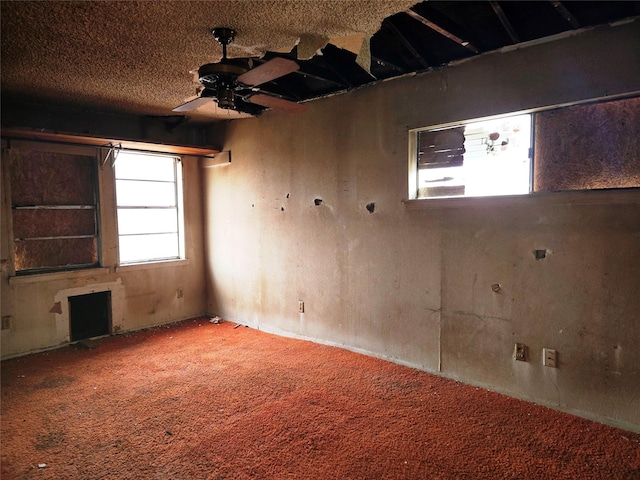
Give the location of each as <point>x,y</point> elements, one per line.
<point>192,104</point>
<point>277,103</point>
<point>275,68</point>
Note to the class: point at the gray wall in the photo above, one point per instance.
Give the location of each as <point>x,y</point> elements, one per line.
<point>412,283</point>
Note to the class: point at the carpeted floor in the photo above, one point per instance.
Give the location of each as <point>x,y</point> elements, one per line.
<point>198,400</point>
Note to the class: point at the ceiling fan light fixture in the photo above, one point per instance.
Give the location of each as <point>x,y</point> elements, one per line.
<point>226,98</point>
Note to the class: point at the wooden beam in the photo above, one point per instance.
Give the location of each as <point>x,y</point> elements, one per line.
<point>505,21</point>
<point>327,65</point>
<point>48,136</point>
<point>463,43</point>
<point>386,63</point>
<point>566,14</point>
<point>406,43</point>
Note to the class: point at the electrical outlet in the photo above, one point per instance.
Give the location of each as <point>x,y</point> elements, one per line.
<point>520,352</point>
<point>301,306</point>
<point>180,293</point>
<point>550,357</point>
<point>6,323</point>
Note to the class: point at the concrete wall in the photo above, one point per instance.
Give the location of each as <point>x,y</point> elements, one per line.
<point>141,296</point>
<point>412,282</point>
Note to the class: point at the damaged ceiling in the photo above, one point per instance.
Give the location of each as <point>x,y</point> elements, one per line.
<point>135,57</point>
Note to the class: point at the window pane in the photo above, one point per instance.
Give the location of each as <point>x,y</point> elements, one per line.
<point>131,193</point>
<point>149,216</point>
<point>149,167</point>
<point>477,159</point>
<point>141,248</point>
<point>147,220</point>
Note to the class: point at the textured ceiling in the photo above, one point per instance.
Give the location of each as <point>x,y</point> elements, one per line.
<point>135,56</point>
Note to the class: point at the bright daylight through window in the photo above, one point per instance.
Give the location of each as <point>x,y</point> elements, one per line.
<point>490,157</point>
<point>149,205</point>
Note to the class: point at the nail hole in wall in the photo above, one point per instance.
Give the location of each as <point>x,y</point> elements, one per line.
<point>318,201</point>
<point>371,207</point>
<point>540,254</point>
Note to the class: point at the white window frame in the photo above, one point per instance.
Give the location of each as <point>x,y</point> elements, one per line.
<point>179,206</point>
<point>413,173</point>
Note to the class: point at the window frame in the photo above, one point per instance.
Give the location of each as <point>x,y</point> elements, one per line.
<point>178,191</point>
<point>413,170</point>
<point>95,207</point>
<point>580,195</point>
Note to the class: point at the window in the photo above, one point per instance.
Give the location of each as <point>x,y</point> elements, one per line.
<point>54,211</point>
<point>490,157</point>
<point>581,147</point>
<point>149,207</point>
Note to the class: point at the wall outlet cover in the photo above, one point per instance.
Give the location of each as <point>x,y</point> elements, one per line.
<point>520,352</point>
<point>549,358</point>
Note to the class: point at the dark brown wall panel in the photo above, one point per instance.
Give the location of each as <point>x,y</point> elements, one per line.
<point>588,147</point>
<point>53,223</point>
<point>47,178</point>
<point>34,254</point>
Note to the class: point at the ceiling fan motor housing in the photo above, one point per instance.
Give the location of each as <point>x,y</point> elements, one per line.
<point>223,79</point>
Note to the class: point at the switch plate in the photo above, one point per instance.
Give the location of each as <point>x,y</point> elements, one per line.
<point>549,358</point>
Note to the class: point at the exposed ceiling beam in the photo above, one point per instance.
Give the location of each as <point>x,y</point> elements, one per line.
<point>386,63</point>
<point>335,71</point>
<point>505,21</point>
<point>566,14</point>
<point>408,45</point>
<point>415,15</point>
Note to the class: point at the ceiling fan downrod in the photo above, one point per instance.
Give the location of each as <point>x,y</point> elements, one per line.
<point>224,36</point>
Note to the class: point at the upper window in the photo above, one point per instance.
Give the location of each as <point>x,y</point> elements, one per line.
<point>54,211</point>
<point>490,157</point>
<point>149,207</point>
<point>582,147</point>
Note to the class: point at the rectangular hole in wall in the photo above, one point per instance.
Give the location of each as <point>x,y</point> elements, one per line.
<point>90,315</point>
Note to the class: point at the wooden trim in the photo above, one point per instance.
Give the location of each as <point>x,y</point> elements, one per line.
<point>28,134</point>
<point>614,196</point>
<point>58,275</point>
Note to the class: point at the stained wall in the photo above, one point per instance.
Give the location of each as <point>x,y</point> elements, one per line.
<point>311,209</point>
<point>141,295</point>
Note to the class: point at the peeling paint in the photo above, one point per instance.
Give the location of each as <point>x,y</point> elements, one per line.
<point>57,308</point>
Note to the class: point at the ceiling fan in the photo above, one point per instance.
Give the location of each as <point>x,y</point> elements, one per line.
<point>233,84</point>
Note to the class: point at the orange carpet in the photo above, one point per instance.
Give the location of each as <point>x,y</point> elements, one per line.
<point>197,400</point>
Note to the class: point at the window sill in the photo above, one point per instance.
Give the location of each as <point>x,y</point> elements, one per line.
<point>132,267</point>
<point>576,197</point>
<point>54,276</point>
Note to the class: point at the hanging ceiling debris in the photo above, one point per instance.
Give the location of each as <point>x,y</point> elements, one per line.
<point>139,57</point>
